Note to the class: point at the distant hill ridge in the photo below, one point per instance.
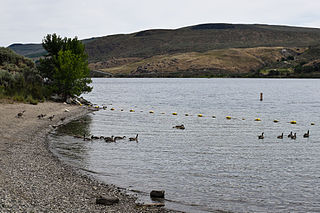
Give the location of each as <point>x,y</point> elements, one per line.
<point>199,50</point>
<point>198,38</point>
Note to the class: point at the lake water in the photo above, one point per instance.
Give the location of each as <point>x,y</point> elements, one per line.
<point>215,163</point>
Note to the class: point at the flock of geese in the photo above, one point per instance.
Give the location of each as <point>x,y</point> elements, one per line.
<point>291,135</point>
<point>115,138</point>
<point>106,139</point>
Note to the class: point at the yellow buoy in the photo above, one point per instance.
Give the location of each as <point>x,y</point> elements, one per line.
<point>243,119</point>
<point>293,122</point>
<point>151,111</point>
<point>174,113</point>
<point>275,121</point>
<point>112,109</point>
<point>131,110</point>
<point>312,123</point>
<point>228,117</point>
<point>257,119</point>
<point>200,115</point>
<point>80,104</point>
<point>97,107</point>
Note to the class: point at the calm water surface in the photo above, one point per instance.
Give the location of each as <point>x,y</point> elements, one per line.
<point>215,163</point>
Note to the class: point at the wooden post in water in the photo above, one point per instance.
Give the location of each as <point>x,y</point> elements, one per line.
<point>261,96</point>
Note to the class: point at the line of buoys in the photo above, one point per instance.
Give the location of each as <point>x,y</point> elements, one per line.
<point>199,115</point>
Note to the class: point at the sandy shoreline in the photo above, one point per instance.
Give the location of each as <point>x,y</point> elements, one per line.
<point>33,180</point>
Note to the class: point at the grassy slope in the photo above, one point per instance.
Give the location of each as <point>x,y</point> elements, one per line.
<point>225,62</point>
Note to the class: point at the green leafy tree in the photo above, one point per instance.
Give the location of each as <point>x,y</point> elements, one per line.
<point>65,67</point>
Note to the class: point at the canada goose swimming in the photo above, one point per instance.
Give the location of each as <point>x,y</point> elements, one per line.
<point>306,135</point>
<point>94,137</point>
<point>20,114</point>
<point>290,135</point>
<point>134,139</point>
<point>294,136</point>
<point>119,138</point>
<point>109,139</point>
<point>102,137</point>
<point>51,117</point>
<point>280,136</point>
<point>261,136</point>
<point>179,126</point>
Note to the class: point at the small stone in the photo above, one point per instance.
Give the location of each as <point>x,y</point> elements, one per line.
<point>157,194</point>
<point>107,200</point>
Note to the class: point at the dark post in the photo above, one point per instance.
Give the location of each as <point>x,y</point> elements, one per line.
<point>261,96</point>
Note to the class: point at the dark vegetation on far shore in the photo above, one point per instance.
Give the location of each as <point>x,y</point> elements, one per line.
<point>205,50</point>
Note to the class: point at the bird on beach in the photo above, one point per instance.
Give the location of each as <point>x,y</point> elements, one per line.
<point>306,135</point>
<point>41,116</point>
<point>62,119</point>
<point>51,117</point>
<point>20,114</point>
<point>261,136</point>
<point>290,135</point>
<point>134,139</point>
<point>280,136</point>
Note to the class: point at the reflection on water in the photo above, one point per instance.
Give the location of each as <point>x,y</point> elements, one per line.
<point>215,163</point>
<point>67,143</point>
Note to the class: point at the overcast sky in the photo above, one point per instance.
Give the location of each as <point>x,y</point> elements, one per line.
<point>28,21</point>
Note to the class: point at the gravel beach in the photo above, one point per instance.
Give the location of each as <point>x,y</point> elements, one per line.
<point>32,179</point>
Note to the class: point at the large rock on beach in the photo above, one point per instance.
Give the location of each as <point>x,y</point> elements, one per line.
<point>157,194</point>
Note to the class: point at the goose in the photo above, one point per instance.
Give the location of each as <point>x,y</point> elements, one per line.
<point>306,135</point>
<point>119,138</point>
<point>62,119</point>
<point>94,137</point>
<point>290,135</point>
<point>102,137</point>
<point>41,116</point>
<point>261,136</point>
<point>51,117</point>
<point>109,139</point>
<point>179,126</point>
<point>280,136</point>
<point>134,139</point>
<point>20,114</point>
<point>294,136</point>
